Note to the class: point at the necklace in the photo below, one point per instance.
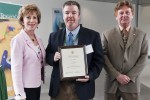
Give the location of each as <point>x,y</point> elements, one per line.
<point>32,40</point>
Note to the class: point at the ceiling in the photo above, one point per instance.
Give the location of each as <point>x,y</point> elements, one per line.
<point>140,2</point>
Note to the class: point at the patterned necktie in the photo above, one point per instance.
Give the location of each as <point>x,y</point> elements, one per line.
<point>125,37</point>
<point>70,39</point>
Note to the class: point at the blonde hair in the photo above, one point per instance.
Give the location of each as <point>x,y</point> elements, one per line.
<point>26,10</point>
<point>122,3</point>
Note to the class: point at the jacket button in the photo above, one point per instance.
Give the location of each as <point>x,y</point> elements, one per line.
<point>41,61</point>
<point>124,61</point>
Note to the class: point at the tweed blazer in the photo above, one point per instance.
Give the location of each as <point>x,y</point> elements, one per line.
<point>129,61</point>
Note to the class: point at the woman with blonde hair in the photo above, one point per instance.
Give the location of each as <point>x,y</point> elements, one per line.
<point>27,56</point>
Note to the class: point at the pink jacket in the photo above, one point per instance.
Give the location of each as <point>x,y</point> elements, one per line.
<point>26,64</point>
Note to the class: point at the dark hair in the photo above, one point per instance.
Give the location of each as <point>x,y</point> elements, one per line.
<point>122,3</point>
<point>69,3</point>
<point>26,10</point>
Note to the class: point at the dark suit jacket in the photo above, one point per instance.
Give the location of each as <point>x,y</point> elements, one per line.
<point>95,61</point>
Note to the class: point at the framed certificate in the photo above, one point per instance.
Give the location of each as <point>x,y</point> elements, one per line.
<point>73,62</point>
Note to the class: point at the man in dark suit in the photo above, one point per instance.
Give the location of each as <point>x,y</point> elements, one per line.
<point>126,53</point>
<point>80,88</point>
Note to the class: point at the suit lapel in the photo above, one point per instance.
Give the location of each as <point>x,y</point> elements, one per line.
<point>131,37</point>
<point>62,37</point>
<point>81,36</point>
<point>119,37</point>
<point>29,42</point>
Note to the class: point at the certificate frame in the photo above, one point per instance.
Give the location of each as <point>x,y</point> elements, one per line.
<point>73,62</point>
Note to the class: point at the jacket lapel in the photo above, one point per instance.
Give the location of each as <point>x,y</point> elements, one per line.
<point>131,37</point>
<point>119,37</point>
<point>81,36</point>
<point>62,37</point>
<point>29,42</point>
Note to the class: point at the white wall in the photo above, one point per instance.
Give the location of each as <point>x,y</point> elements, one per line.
<point>144,22</point>
<point>98,15</point>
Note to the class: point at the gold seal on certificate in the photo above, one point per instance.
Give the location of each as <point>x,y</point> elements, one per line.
<point>73,62</point>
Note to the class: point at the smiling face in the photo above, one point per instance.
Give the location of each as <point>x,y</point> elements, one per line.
<point>124,16</point>
<point>71,16</point>
<point>30,22</point>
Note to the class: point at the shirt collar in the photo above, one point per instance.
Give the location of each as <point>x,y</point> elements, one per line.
<point>74,32</point>
<point>127,29</point>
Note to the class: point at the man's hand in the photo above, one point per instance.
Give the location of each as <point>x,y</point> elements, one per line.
<point>123,79</point>
<point>57,56</point>
<point>85,79</point>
